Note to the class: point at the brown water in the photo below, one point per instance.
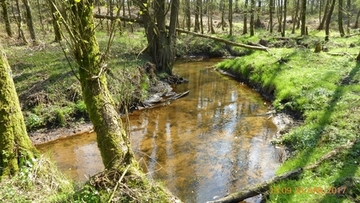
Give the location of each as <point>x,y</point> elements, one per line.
<point>212,142</point>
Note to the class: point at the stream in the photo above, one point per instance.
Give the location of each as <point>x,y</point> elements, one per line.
<point>214,141</point>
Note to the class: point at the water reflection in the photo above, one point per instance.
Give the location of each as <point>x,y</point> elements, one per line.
<point>212,142</point>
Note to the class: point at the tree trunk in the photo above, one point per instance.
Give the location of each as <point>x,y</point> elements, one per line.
<point>340,18</point>
<point>296,15</point>
<point>271,10</point>
<point>29,21</point>
<point>303,17</point>
<point>197,15</point>
<point>246,11</point>
<point>15,146</point>
<point>326,11</point>
<point>4,6</point>
<point>230,17</point>
<point>222,9</point>
<point>356,25</point>
<point>279,14</point>
<point>19,22</point>
<point>55,22</point>
<point>284,23</point>
<point>161,43</point>
<point>328,20</point>
<point>113,143</point>
<point>187,14</point>
<point>252,18</point>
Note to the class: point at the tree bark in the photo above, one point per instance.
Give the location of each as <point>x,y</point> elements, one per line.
<point>303,17</point>
<point>15,146</point>
<point>55,22</point>
<point>246,11</point>
<point>113,143</point>
<point>252,17</point>
<point>271,10</point>
<point>328,20</point>
<point>197,15</point>
<point>4,6</point>
<point>19,22</point>
<point>230,17</point>
<point>322,22</point>
<point>340,18</point>
<point>187,14</point>
<point>29,21</point>
<point>284,23</point>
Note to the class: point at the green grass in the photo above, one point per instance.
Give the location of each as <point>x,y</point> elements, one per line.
<point>49,92</point>
<point>325,91</point>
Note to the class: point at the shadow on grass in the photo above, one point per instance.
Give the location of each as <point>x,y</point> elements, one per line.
<point>348,171</point>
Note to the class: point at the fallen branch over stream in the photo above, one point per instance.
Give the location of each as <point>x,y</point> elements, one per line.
<point>138,20</point>
<point>264,187</point>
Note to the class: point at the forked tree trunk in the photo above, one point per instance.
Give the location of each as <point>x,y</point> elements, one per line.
<point>112,140</point>
<point>161,42</point>
<point>4,6</point>
<point>326,11</point>
<point>15,146</point>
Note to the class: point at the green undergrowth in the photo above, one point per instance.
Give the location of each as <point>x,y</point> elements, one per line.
<point>39,175</point>
<point>49,92</point>
<point>323,90</point>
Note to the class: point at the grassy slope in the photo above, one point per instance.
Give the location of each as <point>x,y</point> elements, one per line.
<point>325,90</point>
<point>49,92</point>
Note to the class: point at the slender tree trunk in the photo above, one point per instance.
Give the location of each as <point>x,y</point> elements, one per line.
<point>129,12</point>
<point>55,23</point>
<point>348,10</point>
<point>41,18</point>
<point>356,24</point>
<point>284,23</point>
<point>326,11</point>
<point>296,15</point>
<point>303,17</point>
<point>201,18</point>
<point>187,14</point>
<point>271,10</point>
<point>252,16</point>
<point>246,11</point>
<point>222,9</point>
<point>328,20</point>
<point>211,12</point>
<point>19,22</point>
<point>230,17</point>
<point>29,21</point>
<point>4,6</point>
<point>279,14</point>
<point>340,18</point>
<point>197,15</point>
<point>15,146</point>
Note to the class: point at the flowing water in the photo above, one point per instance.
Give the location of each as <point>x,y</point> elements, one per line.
<point>212,142</point>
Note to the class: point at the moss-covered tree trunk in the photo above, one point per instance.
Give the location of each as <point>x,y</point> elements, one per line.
<point>112,140</point>
<point>29,20</point>
<point>15,145</point>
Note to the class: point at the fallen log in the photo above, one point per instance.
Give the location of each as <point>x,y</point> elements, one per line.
<point>264,187</point>
<point>258,189</point>
<point>138,20</point>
